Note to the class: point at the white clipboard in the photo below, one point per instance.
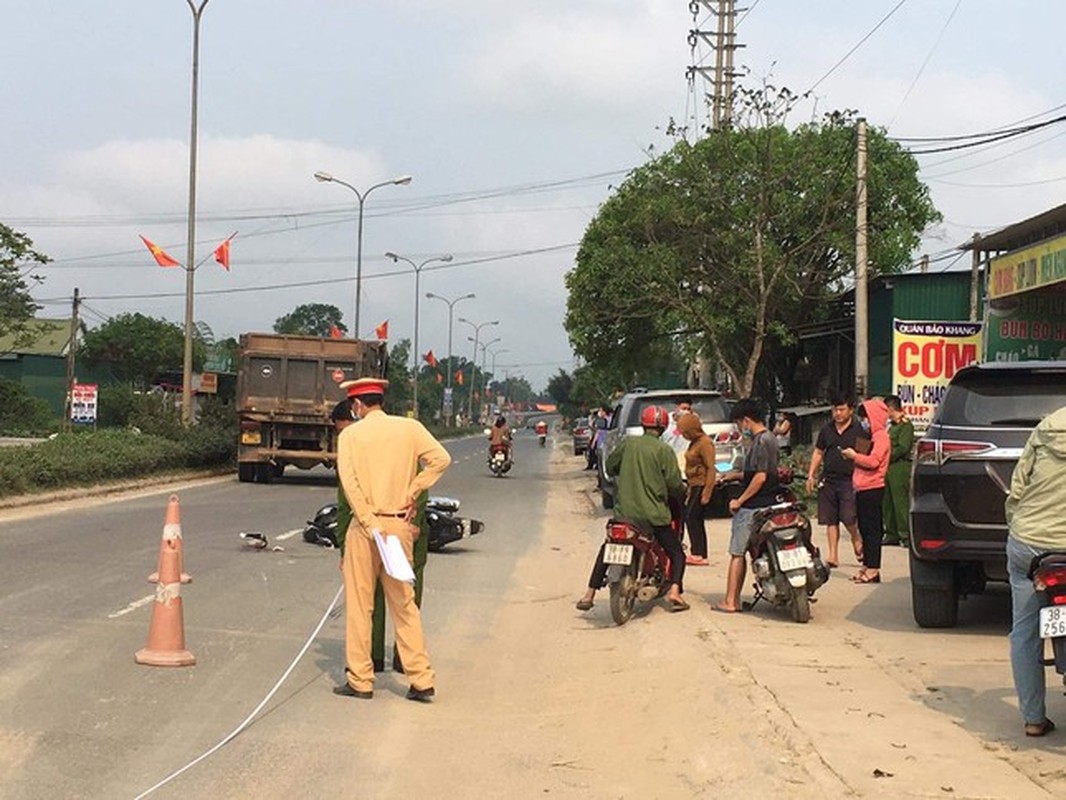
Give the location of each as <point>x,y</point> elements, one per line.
<point>393,558</point>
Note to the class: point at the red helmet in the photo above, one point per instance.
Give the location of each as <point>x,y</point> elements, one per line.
<point>655,417</point>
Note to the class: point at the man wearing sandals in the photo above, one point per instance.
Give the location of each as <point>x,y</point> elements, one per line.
<point>836,494</point>
<point>648,478</point>
<point>1037,524</point>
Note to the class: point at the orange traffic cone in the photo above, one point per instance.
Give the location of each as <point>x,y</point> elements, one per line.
<point>172,530</point>
<point>166,633</point>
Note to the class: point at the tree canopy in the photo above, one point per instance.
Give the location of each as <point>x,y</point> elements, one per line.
<point>139,348</point>
<point>311,319</point>
<point>725,245</point>
<point>17,257</point>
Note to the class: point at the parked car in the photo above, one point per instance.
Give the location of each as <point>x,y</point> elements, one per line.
<point>582,435</point>
<point>714,414</point>
<point>961,476</point>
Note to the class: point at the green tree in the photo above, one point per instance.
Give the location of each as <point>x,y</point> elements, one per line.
<point>17,257</point>
<point>726,244</point>
<point>398,395</point>
<point>311,319</point>
<point>139,348</point>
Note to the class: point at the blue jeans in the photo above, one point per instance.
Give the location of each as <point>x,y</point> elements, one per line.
<point>1026,646</point>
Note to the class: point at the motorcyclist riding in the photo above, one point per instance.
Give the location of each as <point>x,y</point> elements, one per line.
<point>500,435</point>
<point>542,431</point>
<point>648,477</point>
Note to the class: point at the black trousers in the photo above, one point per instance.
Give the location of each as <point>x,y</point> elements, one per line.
<point>667,539</point>
<point>697,530</point>
<point>868,510</point>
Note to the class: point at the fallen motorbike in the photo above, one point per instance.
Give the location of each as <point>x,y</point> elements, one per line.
<point>445,525</point>
<point>500,459</point>
<point>637,567</point>
<point>1048,573</point>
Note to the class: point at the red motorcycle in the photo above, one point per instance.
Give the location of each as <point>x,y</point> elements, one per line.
<point>637,566</point>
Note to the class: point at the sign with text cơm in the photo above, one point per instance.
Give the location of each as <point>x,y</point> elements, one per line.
<point>925,357</point>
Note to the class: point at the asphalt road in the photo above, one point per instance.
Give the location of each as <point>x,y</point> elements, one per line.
<point>79,719</point>
<point>534,698</point>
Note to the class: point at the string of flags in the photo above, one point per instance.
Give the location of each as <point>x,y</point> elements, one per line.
<point>165,259</point>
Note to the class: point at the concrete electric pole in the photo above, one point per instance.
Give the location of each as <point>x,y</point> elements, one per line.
<point>862,358</point>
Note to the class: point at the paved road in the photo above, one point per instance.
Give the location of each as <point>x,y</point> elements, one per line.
<point>535,698</point>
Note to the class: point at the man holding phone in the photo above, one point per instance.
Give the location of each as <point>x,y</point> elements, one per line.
<point>836,495</point>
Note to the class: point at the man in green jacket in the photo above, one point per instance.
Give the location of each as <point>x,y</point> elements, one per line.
<point>648,477</point>
<point>1034,516</point>
<point>895,508</point>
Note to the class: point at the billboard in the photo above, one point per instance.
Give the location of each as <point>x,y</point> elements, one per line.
<point>1027,326</point>
<point>1034,267</point>
<point>925,357</point>
<point>83,398</point>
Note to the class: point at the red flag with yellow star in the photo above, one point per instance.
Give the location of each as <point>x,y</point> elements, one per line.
<point>161,256</point>
<point>382,331</point>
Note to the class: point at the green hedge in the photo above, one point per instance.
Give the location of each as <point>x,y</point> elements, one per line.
<point>84,458</point>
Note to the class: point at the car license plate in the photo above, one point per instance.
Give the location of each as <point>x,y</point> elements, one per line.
<point>251,437</point>
<point>796,558</point>
<point>1052,622</point>
<point>618,554</point>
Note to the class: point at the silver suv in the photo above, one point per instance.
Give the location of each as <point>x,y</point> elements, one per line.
<point>714,414</point>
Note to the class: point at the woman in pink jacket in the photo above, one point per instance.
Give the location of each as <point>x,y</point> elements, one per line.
<point>869,482</point>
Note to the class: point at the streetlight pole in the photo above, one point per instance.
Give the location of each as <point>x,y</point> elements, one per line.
<point>190,255</point>
<point>494,354</point>
<point>325,177</point>
<point>451,308</point>
<point>473,377</point>
<point>418,275</point>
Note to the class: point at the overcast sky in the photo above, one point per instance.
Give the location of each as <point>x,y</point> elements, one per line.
<point>514,120</point>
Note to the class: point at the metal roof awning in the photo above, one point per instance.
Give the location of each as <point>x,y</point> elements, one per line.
<point>1021,234</point>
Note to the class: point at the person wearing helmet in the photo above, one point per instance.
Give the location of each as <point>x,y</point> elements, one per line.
<point>648,477</point>
<point>500,434</point>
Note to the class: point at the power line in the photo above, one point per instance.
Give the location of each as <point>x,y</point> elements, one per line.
<point>857,46</point>
<point>331,281</point>
<point>1011,134</point>
<point>925,63</point>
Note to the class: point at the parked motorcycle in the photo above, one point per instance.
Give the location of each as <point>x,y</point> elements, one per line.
<point>637,567</point>
<point>786,564</point>
<point>445,525</point>
<point>500,459</point>
<point>1048,573</point>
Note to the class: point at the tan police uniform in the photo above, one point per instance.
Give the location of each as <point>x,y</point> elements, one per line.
<point>377,464</point>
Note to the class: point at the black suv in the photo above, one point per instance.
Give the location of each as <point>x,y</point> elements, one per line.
<point>961,476</point>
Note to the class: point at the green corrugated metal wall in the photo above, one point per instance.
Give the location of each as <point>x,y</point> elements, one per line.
<point>943,296</point>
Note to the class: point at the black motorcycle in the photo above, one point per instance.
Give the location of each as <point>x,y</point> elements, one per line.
<point>445,525</point>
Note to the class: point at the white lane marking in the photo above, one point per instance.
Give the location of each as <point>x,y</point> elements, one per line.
<point>132,606</point>
<point>281,537</point>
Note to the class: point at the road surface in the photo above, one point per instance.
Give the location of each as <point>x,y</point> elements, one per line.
<point>534,698</point>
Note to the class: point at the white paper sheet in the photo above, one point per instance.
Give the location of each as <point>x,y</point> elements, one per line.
<point>393,558</point>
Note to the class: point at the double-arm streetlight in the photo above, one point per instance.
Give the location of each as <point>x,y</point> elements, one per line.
<point>451,308</point>
<point>477,326</point>
<point>418,274</point>
<point>325,177</point>
<point>494,354</point>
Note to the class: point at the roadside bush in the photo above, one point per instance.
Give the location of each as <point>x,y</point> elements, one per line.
<point>22,414</point>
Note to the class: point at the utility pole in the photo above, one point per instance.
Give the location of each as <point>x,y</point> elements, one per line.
<point>975,277</point>
<point>71,347</point>
<point>723,41</point>
<point>924,266</point>
<point>861,313</point>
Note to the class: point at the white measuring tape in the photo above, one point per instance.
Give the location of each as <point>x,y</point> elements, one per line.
<point>231,736</point>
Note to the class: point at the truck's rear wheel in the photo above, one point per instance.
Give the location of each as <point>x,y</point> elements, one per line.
<point>264,473</point>
<point>246,472</point>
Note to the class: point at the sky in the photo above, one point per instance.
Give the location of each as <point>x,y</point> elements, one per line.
<point>515,120</point>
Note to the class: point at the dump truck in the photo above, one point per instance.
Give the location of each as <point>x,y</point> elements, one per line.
<point>287,387</point>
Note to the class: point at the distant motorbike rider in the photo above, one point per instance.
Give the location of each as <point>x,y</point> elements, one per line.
<point>500,436</point>
<point>648,478</point>
<point>542,431</point>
